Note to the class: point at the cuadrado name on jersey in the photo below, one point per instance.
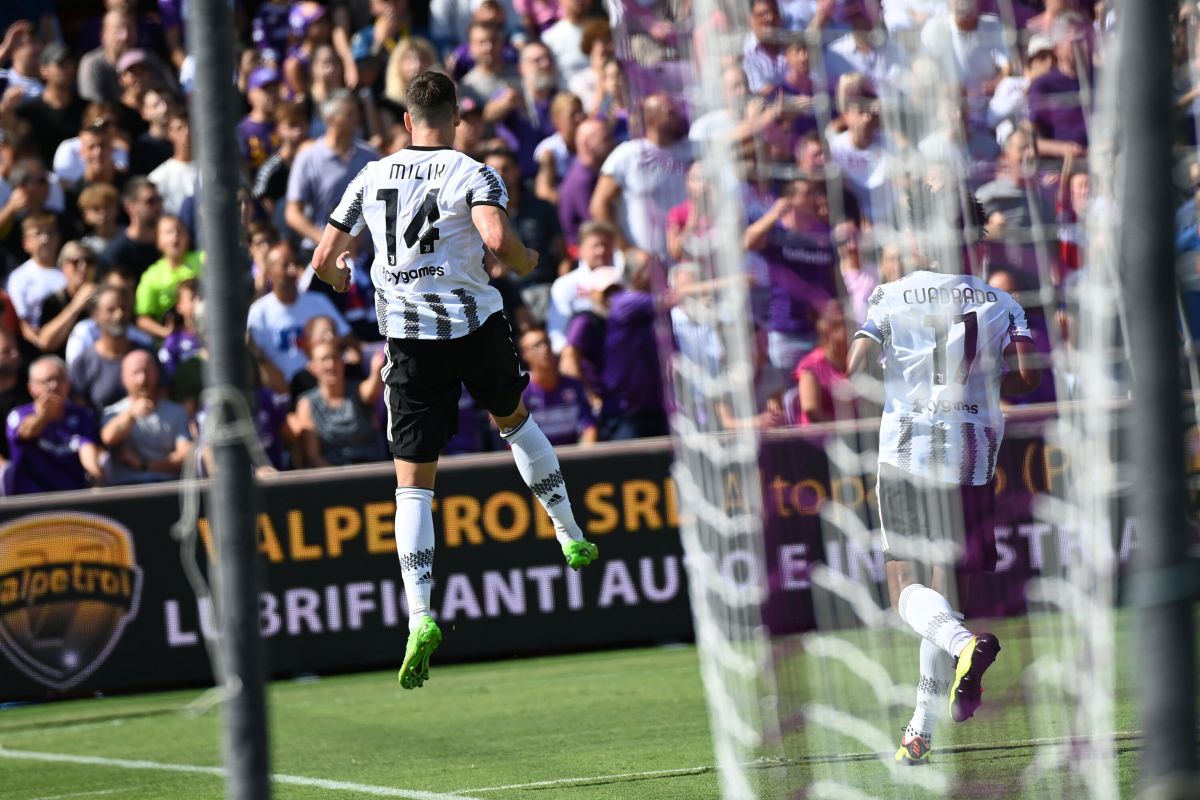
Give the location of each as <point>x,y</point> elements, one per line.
<point>943,340</point>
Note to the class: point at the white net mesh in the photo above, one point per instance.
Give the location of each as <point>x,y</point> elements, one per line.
<point>866,135</point>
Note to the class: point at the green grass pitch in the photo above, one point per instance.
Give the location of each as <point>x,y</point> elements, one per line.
<point>627,724</point>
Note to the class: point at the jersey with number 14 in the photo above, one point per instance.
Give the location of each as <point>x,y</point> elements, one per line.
<point>428,270</point>
<point>943,339</point>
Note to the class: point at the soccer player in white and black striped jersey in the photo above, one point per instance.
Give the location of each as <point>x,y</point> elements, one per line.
<point>431,212</point>
<point>950,344</point>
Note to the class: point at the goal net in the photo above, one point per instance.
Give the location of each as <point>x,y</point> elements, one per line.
<point>836,147</point>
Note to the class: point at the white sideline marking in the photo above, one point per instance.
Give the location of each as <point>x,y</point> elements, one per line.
<point>823,786</point>
<point>77,794</point>
<point>56,729</point>
<point>658,773</point>
<point>294,780</point>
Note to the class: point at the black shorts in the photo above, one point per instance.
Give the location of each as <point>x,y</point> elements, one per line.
<point>922,512</point>
<point>423,379</point>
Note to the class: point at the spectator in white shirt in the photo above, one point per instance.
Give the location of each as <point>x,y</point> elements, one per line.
<point>1009,105</point>
<point>763,55</point>
<point>94,143</point>
<point>276,321</point>
<point>859,50</point>
<point>642,179</point>
<point>23,50</point>
<point>39,277</point>
<point>569,294</point>
<point>904,15</point>
<point>565,37</point>
<point>971,47</point>
<point>176,177</point>
<point>859,150</point>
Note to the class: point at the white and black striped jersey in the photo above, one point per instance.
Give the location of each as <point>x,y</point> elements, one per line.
<point>943,339</point>
<point>428,270</point>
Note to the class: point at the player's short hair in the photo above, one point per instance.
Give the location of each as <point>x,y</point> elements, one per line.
<point>432,99</point>
<point>596,228</point>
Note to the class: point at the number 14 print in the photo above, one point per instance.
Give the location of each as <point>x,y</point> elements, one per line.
<point>428,212</point>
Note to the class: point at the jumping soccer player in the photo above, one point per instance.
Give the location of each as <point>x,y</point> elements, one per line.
<point>950,344</point>
<point>431,211</point>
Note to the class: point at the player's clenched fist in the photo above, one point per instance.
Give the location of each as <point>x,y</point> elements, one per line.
<point>339,276</point>
<point>531,260</point>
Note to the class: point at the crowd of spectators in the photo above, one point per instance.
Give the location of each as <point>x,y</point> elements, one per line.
<point>827,105</point>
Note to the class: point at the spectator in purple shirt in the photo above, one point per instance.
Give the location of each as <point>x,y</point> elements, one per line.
<point>183,342</point>
<point>559,403</point>
<point>12,392</point>
<point>1054,99</point>
<point>583,355</point>
<point>632,377</point>
<point>593,143</point>
<point>256,132</point>
<point>803,272</point>
<point>53,441</point>
<point>270,30</point>
<point>522,115</point>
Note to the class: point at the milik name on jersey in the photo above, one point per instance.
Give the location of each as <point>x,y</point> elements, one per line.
<point>416,172</point>
<point>939,295</point>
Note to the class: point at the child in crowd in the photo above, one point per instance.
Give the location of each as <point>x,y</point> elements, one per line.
<point>158,289</point>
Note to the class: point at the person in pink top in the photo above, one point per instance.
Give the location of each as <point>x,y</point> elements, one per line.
<point>688,223</point>
<point>860,281</point>
<point>821,375</point>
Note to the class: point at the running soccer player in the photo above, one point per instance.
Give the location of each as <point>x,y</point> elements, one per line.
<point>431,212</point>
<point>950,344</point>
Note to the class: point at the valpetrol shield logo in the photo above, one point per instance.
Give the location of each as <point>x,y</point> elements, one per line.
<point>69,585</point>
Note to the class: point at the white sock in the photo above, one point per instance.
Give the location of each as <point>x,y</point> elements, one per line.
<point>937,669</point>
<point>414,545</point>
<point>538,465</point>
<point>928,613</point>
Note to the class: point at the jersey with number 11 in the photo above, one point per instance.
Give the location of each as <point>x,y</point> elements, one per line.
<point>943,339</point>
<point>429,276</point>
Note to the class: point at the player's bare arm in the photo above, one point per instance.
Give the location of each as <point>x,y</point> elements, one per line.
<point>330,257</point>
<point>499,237</point>
<point>861,350</point>
<point>1023,377</point>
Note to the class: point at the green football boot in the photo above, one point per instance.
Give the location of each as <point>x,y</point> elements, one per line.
<point>421,644</point>
<point>580,553</point>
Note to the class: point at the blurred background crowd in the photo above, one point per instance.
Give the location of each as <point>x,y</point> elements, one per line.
<point>825,103</point>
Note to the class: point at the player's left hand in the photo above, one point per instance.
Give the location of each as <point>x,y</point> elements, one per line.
<point>339,276</point>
